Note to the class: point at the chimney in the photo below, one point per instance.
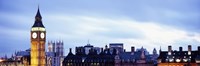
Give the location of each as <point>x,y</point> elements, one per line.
<point>189,48</point>
<point>199,48</point>
<point>106,47</point>
<point>180,49</point>
<point>70,50</point>
<point>132,49</point>
<point>169,48</point>
<point>101,49</point>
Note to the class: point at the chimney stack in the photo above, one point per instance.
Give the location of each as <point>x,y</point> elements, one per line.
<point>199,48</point>
<point>101,49</point>
<point>189,48</point>
<point>70,49</point>
<point>169,48</point>
<point>180,49</point>
<point>132,49</point>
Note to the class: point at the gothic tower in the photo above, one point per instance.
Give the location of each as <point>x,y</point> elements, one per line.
<point>38,39</point>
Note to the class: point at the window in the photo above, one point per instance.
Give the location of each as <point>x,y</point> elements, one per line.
<point>189,53</point>
<point>185,60</point>
<point>171,60</point>
<point>178,60</point>
<point>169,53</point>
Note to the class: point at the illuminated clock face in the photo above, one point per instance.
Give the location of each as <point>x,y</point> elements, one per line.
<point>42,35</point>
<point>34,35</point>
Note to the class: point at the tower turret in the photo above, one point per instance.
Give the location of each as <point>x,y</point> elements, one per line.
<point>38,39</point>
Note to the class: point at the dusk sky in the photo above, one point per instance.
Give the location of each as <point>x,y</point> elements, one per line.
<point>147,23</point>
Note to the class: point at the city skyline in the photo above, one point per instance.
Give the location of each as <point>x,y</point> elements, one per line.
<point>135,23</point>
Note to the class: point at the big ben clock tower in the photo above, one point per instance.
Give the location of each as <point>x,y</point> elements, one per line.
<point>38,39</point>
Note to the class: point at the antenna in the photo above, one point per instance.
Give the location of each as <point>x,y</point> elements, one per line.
<point>88,42</point>
<point>38,5</point>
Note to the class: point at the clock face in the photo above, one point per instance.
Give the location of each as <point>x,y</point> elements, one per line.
<point>42,35</point>
<point>34,35</point>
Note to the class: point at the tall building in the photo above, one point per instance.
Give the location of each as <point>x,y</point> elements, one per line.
<point>86,49</point>
<point>118,46</point>
<point>179,58</point>
<point>51,46</point>
<point>38,39</point>
<point>59,48</point>
<point>55,53</point>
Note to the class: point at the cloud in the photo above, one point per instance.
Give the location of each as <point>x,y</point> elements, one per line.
<point>125,30</point>
<point>75,30</point>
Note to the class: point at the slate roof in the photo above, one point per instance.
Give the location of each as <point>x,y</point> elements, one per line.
<point>38,21</point>
<point>126,55</point>
<point>38,14</point>
<point>136,56</point>
<point>91,57</point>
<point>106,57</point>
<point>23,53</point>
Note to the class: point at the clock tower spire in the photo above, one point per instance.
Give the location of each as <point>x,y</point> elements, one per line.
<point>38,40</point>
<point>38,20</point>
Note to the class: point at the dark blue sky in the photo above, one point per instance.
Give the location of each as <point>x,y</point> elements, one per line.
<point>138,23</point>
